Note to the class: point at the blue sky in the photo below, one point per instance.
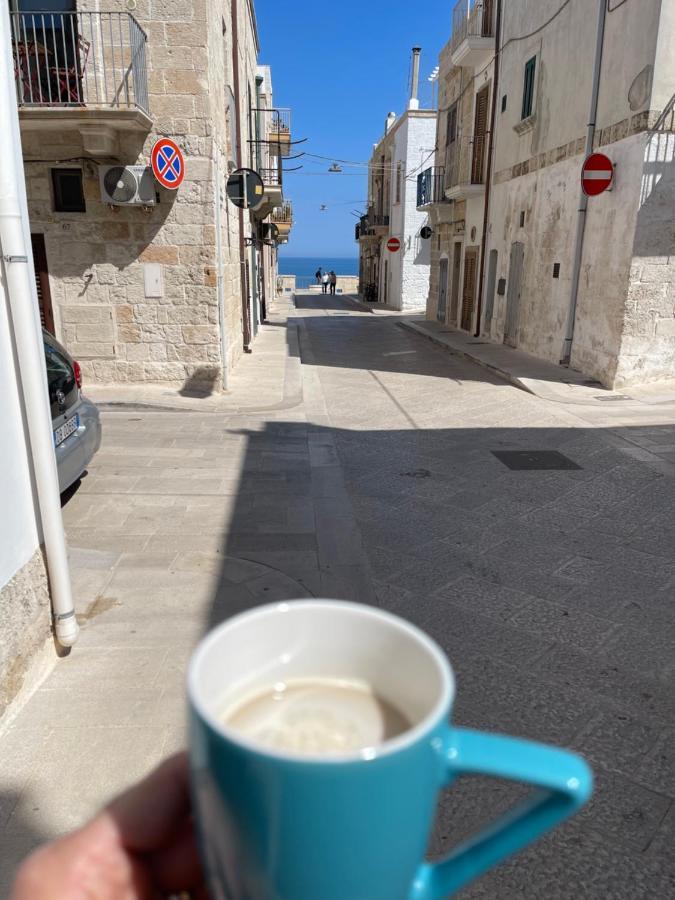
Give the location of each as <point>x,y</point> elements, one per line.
<point>341,67</point>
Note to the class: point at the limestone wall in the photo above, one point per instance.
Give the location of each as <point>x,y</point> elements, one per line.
<point>98,260</point>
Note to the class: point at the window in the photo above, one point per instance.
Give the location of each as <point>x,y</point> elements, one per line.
<point>451,133</point>
<point>528,88</point>
<point>68,190</point>
<point>399,174</point>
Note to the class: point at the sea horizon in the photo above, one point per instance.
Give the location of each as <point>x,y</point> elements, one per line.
<point>306,266</point>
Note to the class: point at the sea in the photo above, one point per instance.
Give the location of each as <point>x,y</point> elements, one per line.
<point>306,266</point>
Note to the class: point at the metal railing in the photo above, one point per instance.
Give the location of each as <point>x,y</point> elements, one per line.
<point>430,186</point>
<point>471,18</point>
<point>271,176</point>
<point>273,131</point>
<point>466,161</point>
<point>76,59</point>
<point>369,222</point>
<point>283,215</point>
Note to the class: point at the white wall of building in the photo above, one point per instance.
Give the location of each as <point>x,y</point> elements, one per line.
<point>624,324</point>
<point>413,138</point>
<point>18,530</point>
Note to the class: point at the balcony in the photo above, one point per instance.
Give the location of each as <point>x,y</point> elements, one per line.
<point>373,225</point>
<point>282,217</point>
<point>84,71</point>
<point>473,37</point>
<point>272,190</point>
<point>430,186</point>
<point>278,131</point>
<point>466,168</point>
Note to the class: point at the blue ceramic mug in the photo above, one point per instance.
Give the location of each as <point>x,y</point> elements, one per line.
<point>278,826</point>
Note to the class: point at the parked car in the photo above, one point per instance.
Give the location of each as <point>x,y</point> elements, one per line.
<point>75,420</point>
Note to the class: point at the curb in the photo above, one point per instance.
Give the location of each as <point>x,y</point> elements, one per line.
<point>500,373</point>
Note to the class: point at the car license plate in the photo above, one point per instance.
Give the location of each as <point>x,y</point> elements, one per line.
<point>65,430</point>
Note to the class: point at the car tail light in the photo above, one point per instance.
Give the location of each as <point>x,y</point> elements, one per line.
<point>78,373</point>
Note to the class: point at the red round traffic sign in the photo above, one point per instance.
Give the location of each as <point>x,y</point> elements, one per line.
<point>597,173</point>
<point>168,164</point>
<point>393,244</point>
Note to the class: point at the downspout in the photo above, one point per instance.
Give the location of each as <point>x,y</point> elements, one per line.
<point>583,202</point>
<point>255,225</point>
<point>245,318</point>
<point>220,294</point>
<point>20,280</point>
<point>488,177</point>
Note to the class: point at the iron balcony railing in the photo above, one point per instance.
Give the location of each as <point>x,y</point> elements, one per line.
<point>430,186</point>
<point>273,131</point>
<point>79,59</point>
<point>283,215</point>
<point>466,161</point>
<point>271,176</point>
<point>471,18</point>
<point>370,222</point>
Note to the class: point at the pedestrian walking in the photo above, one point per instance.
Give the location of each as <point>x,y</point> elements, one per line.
<point>318,275</point>
<point>333,282</point>
<point>325,281</point>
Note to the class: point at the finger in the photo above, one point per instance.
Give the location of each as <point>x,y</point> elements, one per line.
<point>149,815</point>
<point>178,867</point>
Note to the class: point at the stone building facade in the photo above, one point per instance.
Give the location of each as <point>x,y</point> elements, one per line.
<point>452,193</point>
<point>623,327</point>
<point>163,291</point>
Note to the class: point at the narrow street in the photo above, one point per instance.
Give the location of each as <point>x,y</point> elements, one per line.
<point>373,476</point>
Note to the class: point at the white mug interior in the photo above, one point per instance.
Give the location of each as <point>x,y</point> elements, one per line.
<point>321,639</point>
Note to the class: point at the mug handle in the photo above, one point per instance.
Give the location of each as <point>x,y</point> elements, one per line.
<point>563,784</point>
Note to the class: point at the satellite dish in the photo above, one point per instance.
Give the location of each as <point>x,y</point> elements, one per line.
<point>245,188</point>
<point>426,232</point>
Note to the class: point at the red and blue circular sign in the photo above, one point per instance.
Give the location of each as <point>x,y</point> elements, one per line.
<point>168,163</point>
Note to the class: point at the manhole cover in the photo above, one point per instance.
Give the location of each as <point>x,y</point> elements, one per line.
<point>613,397</point>
<point>417,473</point>
<point>525,460</point>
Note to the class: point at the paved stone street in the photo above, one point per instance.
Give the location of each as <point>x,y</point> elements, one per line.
<point>372,476</point>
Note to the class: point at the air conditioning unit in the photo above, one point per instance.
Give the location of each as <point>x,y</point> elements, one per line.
<point>127,185</point>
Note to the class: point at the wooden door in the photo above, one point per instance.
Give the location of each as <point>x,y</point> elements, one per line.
<point>513,293</point>
<point>456,277</point>
<point>442,291</point>
<point>42,282</point>
<point>480,136</point>
<point>469,289</point>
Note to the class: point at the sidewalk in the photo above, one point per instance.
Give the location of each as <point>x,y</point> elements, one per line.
<point>268,378</point>
<point>183,520</point>
<point>544,379</point>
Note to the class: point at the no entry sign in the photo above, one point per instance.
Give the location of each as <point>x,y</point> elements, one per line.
<point>393,244</point>
<point>597,173</point>
<point>168,164</point>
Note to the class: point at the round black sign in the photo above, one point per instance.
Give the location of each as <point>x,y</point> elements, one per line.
<point>245,188</point>
<point>426,232</point>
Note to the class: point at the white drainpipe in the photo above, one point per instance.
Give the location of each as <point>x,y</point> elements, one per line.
<point>17,262</point>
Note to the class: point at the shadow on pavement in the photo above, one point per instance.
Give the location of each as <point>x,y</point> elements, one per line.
<point>551,590</point>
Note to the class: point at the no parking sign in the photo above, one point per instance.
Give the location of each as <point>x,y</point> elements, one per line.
<point>168,163</point>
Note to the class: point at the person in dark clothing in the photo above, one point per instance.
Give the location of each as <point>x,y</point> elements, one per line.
<point>318,274</point>
<point>333,282</point>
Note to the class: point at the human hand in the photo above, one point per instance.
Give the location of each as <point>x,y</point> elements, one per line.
<point>140,847</point>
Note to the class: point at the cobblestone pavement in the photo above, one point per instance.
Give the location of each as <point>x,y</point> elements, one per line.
<point>372,476</point>
<point>552,591</point>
